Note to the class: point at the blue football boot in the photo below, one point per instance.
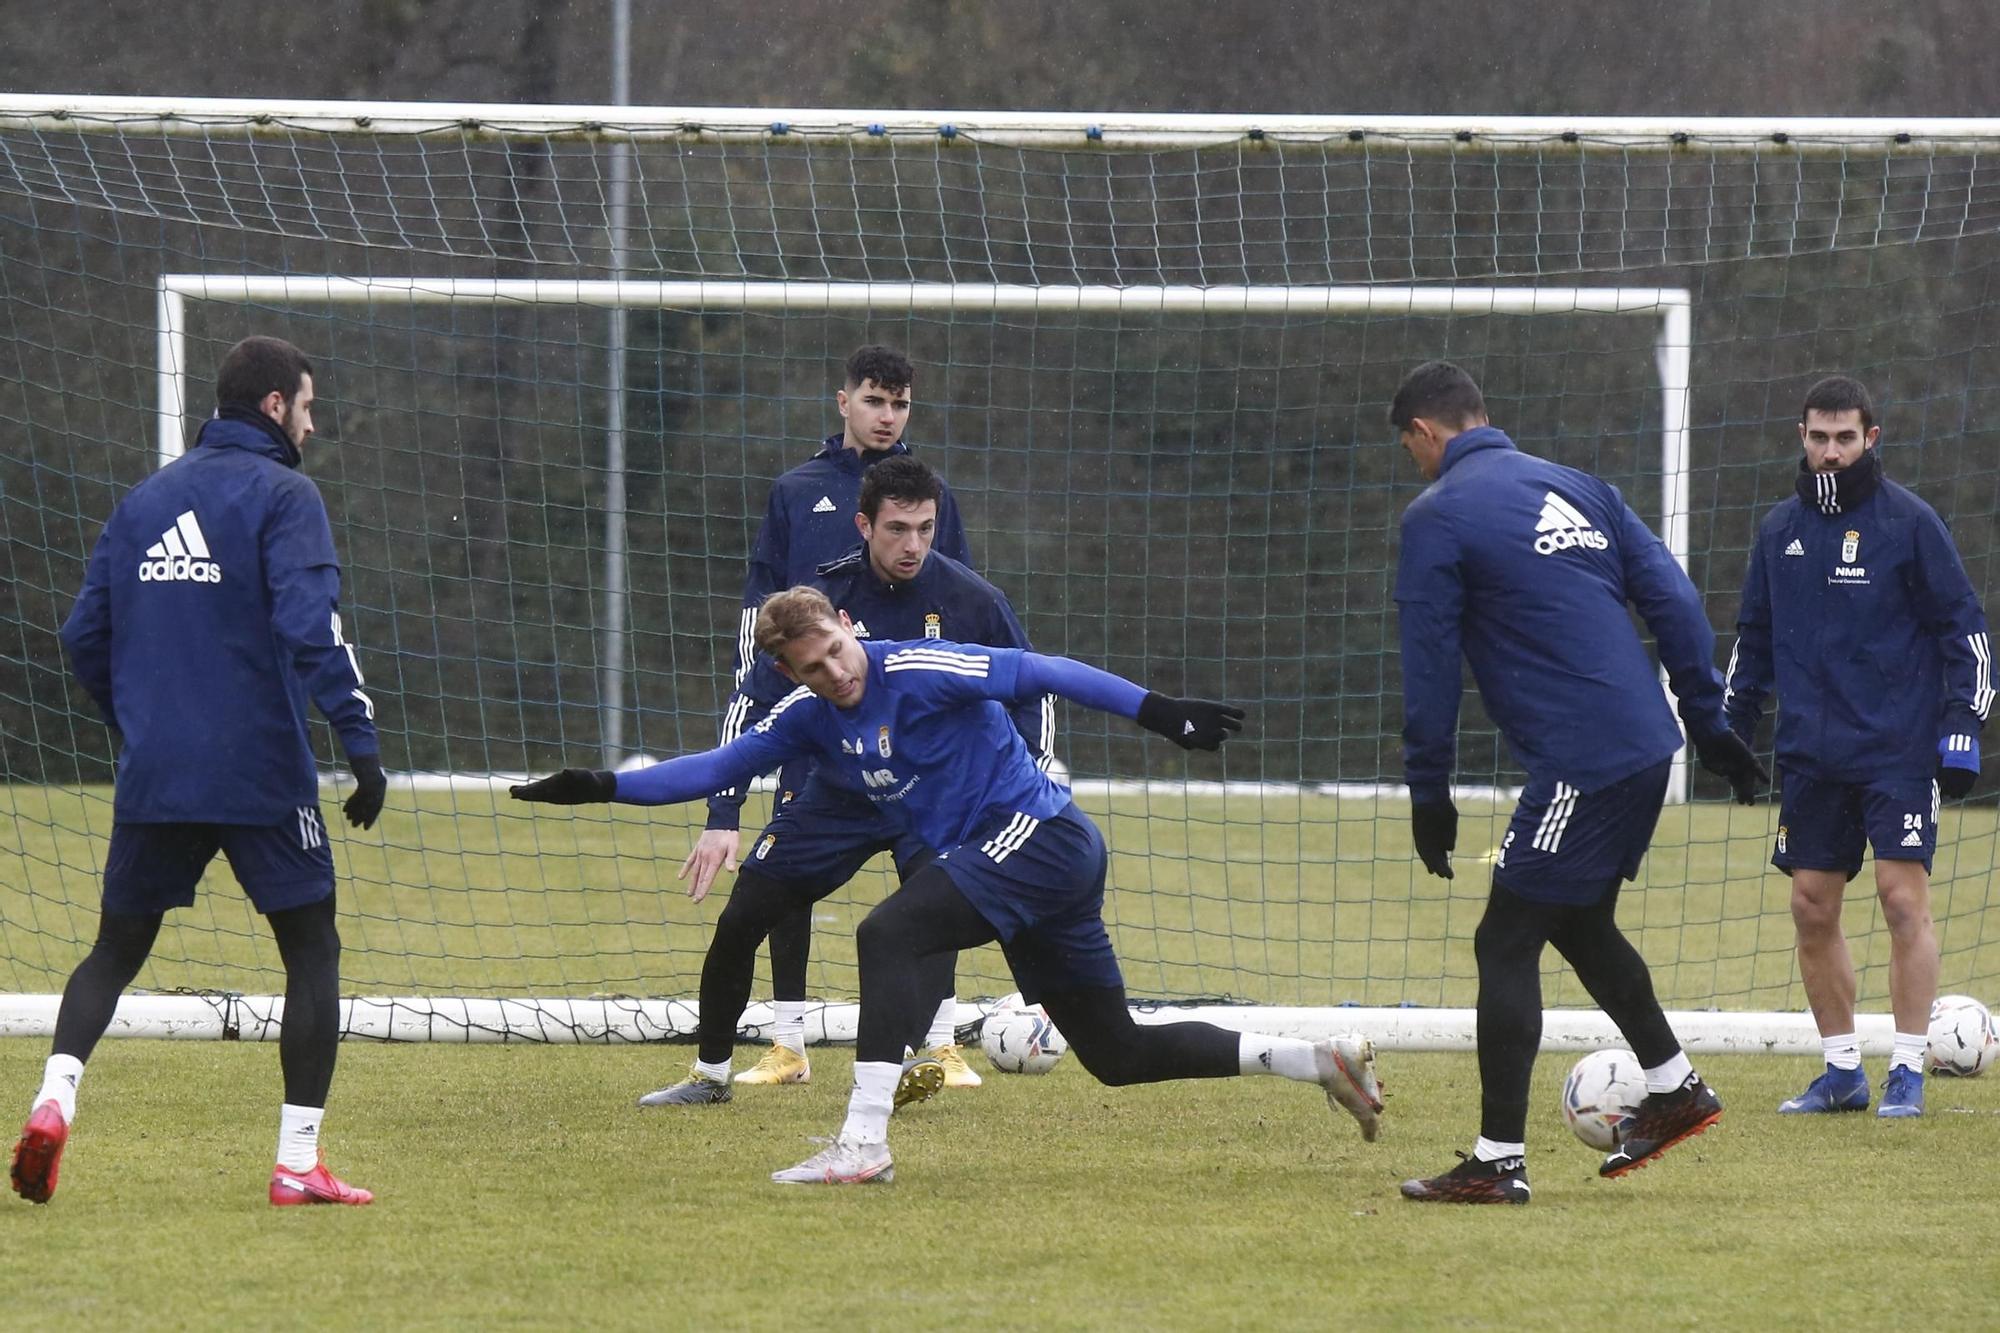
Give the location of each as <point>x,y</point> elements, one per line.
<point>1835,1090</point>
<point>1902,1095</point>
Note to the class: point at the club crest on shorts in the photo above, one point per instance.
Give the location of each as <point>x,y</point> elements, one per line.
<point>1782,830</point>
<point>764,847</point>
<point>882,746</point>
<point>933,626</point>
<point>1850,547</point>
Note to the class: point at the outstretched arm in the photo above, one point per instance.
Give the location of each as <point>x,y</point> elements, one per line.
<point>1192,724</point>
<point>683,779</point>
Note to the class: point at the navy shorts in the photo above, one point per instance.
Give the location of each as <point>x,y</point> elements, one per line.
<point>821,836</point>
<point>1828,825</point>
<point>1040,885</point>
<point>152,868</point>
<point>1569,847</point>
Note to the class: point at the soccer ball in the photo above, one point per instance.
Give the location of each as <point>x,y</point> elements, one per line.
<point>1021,1040</point>
<point>1600,1095</point>
<point>1963,1040</point>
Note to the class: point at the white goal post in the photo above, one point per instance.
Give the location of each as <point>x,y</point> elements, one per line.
<point>1670,306</point>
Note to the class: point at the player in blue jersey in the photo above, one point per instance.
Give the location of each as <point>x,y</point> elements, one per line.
<point>208,617</point>
<point>808,522</point>
<point>1527,568</point>
<point>892,586</point>
<point>1856,607</point>
<point>922,728</point>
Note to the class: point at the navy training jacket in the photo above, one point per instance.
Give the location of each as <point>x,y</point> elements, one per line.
<point>1871,631</point>
<point>809,521</point>
<point>944,601</point>
<point>1527,567</point>
<point>209,612</point>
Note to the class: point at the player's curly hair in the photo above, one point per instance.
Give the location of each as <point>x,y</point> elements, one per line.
<point>889,368</point>
<point>795,613</point>
<point>904,479</point>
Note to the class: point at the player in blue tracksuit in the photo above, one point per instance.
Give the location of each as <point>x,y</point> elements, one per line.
<point>1856,607</point>
<point>923,728</point>
<point>209,615</point>
<point>1527,568</point>
<point>893,586</point>
<point>808,522</point>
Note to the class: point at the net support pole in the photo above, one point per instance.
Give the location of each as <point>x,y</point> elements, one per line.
<point>1675,355</point>
<point>171,351</point>
<point>615,653</point>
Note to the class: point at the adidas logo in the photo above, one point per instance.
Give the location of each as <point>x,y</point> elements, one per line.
<point>860,630</point>
<point>180,555</point>
<point>1796,548</point>
<point>1913,839</point>
<point>825,505</point>
<point>1187,728</point>
<point>1561,527</point>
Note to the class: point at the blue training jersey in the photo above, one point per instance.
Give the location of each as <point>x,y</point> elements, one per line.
<point>1527,567</point>
<point>932,741</point>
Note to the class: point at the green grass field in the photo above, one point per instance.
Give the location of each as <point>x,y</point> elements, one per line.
<point>520,1188</point>
<point>1274,899</point>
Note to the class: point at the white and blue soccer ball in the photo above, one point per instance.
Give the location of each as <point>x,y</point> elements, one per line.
<point>1021,1039</point>
<point>1601,1094</point>
<point>1963,1039</point>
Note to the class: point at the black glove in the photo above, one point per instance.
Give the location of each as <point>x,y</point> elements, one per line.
<point>1434,829</point>
<point>369,789</point>
<point>1958,764</point>
<point>572,786</point>
<point>1192,724</point>
<point>1726,755</point>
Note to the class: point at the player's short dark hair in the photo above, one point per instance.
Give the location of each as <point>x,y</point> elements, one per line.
<point>1836,394</point>
<point>257,367</point>
<point>1437,391</point>
<point>795,613</point>
<point>889,368</point>
<point>904,479</point>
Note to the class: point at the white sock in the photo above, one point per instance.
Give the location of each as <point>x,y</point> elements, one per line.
<point>1909,1050</point>
<point>1842,1052</point>
<point>1489,1150</point>
<point>874,1096</point>
<point>719,1071</point>
<point>1287,1057</point>
<point>1671,1075</point>
<point>788,1029</point>
<point>59,1079</point>
<point>944,1024</point>
<point>298,1137</point>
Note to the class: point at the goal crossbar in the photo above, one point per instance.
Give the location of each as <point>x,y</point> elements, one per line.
<point>196,116</point>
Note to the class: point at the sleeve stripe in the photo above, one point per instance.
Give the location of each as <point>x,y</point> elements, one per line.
<point>800,693</point>
<point>746,643</point>
<point>1729,676</point>
<point>949,668</point>
<point>940,655</point>
<point>1982,674</point>
<point>1046,749</point>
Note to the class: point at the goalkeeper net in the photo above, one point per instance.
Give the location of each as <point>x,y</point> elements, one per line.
<point>562,353</point>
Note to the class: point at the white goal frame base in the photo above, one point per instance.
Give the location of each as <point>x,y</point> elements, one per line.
<point>617,1020</point>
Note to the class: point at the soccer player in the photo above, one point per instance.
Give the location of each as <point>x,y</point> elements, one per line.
<point>808,522</point>
<point>1527,567</point>
<point>1856,606</point>
<point>892,586</point>
<point>922,727</point>
<point>210,612</point>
